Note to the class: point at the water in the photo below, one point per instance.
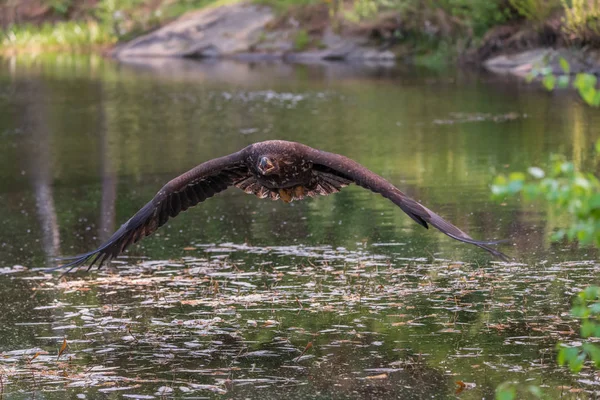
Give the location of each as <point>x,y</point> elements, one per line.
<point>337,297</point>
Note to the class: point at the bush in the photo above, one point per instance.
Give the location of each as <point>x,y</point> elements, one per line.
<point>581,22</point>
<point>535,10</point>
<point>576,194</point>
<point>567,190</point>
<point>55,37</point>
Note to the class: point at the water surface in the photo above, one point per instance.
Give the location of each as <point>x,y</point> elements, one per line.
<point>337,297</point>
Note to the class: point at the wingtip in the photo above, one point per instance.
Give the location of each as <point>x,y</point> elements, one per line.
<point>74,262</point>
<point>494,252</point>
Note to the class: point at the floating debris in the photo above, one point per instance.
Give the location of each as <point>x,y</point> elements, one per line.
<point>286,316</point>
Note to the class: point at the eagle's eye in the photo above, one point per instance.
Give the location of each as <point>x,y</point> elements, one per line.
<point>265,165</point>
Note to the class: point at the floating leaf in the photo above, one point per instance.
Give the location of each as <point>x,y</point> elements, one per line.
<point>62,348</point>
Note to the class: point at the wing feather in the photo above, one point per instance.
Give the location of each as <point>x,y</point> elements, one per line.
<point>348,170</point>
<point>178,195</point>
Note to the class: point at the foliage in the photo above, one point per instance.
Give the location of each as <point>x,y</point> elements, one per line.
<point>53,37</point>
<point>512,391</point>
<point>284,5</point>
<point>60,6</point>
<point>566,189</point>
<point>456,22</point>
<point>563,186</point>
<point>478,15</point>
<point>584,83</point>
<point>578,194</point>
<point>582,19</point>
<point>107,22</point>
<point>587,307</point>
<point>302,40</point>
<point>365,9</point>
<point>535,10</point>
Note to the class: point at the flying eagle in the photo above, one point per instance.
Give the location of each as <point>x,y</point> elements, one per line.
<point>274,169</point>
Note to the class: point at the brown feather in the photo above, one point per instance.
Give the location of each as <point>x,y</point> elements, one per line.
<point>351,171</point>
<point>178,195</point>
<point>303,171</point>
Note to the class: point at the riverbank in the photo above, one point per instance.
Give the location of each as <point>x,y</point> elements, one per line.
<point>301,30</point>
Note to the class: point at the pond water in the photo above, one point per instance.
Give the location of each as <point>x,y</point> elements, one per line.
<point>336,297</point>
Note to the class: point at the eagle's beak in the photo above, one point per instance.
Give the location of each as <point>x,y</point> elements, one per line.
<point>265,165</point>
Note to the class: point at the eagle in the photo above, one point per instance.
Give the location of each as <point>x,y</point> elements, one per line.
<point>274,169</point>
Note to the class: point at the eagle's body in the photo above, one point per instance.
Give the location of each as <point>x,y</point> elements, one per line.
<point>274,169</point>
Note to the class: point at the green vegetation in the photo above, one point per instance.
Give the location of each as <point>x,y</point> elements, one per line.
<point>282,6</point>
<point>535,10</point>
<point>302,40</point>
<point>586,306</point>
<point>104,24</point>
<point>567,190</point>
<point>575,193</point>
<point>511,391</point>
<point>71,35</point>
<point>582,19</point>
<point>437,30</point>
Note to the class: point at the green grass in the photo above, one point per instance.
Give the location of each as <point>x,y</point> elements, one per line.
<point>302,40</point>
<point>71,35</point>
<point>281,6</point>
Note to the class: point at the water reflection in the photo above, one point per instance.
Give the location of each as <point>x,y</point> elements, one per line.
<point>85,142</point>
<point>39,168</point>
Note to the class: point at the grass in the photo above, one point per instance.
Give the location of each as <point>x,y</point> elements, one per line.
<point>109,22</point>
<point>302,40</point>
<point>440,29</point>
<point>62,36</point>
<point>281,6</point>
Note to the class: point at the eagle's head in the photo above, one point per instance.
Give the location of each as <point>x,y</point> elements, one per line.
<point>267,165</point>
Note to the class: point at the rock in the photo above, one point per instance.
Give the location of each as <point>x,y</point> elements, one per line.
<point>519,64</point>
<point>523,63</point>
<point>211,32</point>
<point>240,31</point>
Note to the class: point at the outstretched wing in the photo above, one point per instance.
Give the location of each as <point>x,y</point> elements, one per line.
<point>181,193</point>
<point>329,164</point>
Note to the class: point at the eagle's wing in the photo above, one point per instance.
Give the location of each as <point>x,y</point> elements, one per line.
<point>181,193</point>
<point>336,171</point>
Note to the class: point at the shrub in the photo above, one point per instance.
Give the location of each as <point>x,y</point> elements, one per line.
<point>582,20</point>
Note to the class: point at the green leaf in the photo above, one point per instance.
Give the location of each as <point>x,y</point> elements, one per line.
<point>564,65</point>
<point>593,351</point>
<point>563,81</point>
<point>594,308</point>
<point>585,81</point>
<point>587,94</point>
<point>516,176</point>
<point>549,82</point>
<point>558,235</point>
<point>566,355</point>
<point>596,100</point>
<point>591,292</point>
<point>587,329</point>
<point>597,146</point>
<point>506,391</point>
<point>515,186</point>
<point>576,363</point>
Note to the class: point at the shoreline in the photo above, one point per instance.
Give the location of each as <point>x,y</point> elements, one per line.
<point>249,32</point>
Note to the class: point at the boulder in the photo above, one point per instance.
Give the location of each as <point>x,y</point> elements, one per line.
<point>523,63</point>
<point>241,31</point>
<point>210,32</point>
